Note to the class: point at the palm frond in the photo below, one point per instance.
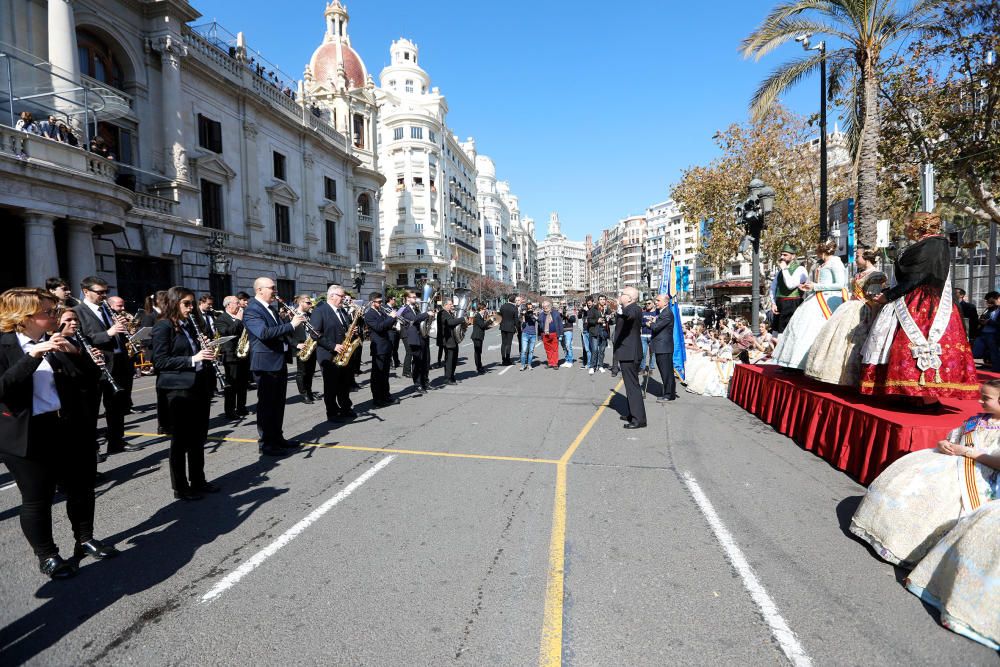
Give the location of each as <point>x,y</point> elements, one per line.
<point>772,35</point>
<point>921,15</point>
<point>840,66</point>
<point>780,80</point>
<point>827,14</point>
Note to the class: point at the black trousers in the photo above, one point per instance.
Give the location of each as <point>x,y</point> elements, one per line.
<point>57,454</point>
<point>116,404</point>
<point>633,391</point>
<point>304,372</point>
<point>190,411</point>
<point>271,390</point>
<point>441,350</point>
<point>336,388</point>
<point>407,360</point>
<point>237,383</point>
<point>394,344</point>
<point>786,308</point>
<point>665,364</point>
<point>163,411</point>
<point>506,337</point>
<point>478,347</point>
<point>355,364</point>
<point>380,376</point>
<point>420,355</point>
<point>450,362</point>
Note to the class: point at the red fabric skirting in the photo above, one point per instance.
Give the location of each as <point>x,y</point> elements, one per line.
<point>858,434</point>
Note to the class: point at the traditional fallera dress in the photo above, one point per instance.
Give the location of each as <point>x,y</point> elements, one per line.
<point>829,291</point>
<point>835,357</point>
<point>917,345</point>
<point>960,577</point>
<point>920,497</point>
<point>708,372</point>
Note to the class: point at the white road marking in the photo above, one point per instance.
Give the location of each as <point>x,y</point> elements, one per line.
<point>505,370</point>
<point>779,628</point>
<point>8,486</point>
<point>249,566</point>
<point>493,347</point>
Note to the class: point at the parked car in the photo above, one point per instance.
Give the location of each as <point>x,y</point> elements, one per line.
<point>691,313</point>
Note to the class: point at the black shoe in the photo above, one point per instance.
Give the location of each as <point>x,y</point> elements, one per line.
<point>425,388</point>
<point>101,458</point>
<point>450,382</point>
<point>117,449</point>
<point>632,425</point>
<point>94,549</point>
<point>56,568</point>
<point>232,416</point>
<point>132,448</point>
<point>274,451</point>
<point>348,414</point>
<point>407,375</point>
<point>243,413</point>
<point>624,418</point>
<point>206,487</point>
<point>187,495</point>
<point>307,400</point>
<point>291,444</point>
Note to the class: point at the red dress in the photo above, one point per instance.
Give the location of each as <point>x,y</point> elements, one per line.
<point>921,272</point>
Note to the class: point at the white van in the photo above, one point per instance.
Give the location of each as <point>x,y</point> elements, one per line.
<point>691,312</point>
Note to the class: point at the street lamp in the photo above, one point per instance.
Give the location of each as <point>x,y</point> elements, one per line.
<point>358,275</point>
<point>752,215</point>
<point>821,47</point>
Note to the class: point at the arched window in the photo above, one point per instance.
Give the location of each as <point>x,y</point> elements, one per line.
<point>97,61</point>
<point>364,205</point>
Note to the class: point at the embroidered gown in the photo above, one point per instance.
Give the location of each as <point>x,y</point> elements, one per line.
<point>920,497</point>
<point>800,334</point>
<point>934,358</point>
<point>835,357</point>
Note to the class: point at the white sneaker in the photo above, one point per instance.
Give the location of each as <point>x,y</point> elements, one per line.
<point>591,371</point>
<point>603,370</point>
<point>568,364</point>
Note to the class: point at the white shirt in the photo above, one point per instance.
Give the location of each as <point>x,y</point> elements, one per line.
<point>99,312</point>
<point>192,343</point>
<point>44,396</point>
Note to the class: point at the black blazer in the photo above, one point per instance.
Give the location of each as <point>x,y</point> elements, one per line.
<point>172,358</point>
<point>449,323</point>
<point>593,327</point>
<point>479,327</point>
<point>267,337</point>
<point>412,332</point>
<point>73,376</point>
<point>379,326</point>
<point>508,318</point>
<point>227,325</point>
<point>662,341</point>
<point>332,332</point>
<point>97,331</point>
<point>628,334</point>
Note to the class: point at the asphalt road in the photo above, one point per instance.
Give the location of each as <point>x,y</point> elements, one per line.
<point>508,520</point>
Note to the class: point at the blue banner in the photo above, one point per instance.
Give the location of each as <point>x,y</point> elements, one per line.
<point>850,230</point>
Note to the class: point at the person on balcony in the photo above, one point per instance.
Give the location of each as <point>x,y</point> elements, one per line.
<point>26,123</point>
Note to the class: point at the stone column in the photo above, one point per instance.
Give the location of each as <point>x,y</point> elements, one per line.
<point>63,54</point>
<point>80,250</point>
<point>174,152</point>
<point>40,248</point>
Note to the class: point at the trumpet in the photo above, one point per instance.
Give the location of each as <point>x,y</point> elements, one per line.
<point>310,344</point>
<point>401,322</point>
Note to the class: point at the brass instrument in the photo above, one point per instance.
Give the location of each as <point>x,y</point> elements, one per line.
<point>352,339</point>
<point>428,328</point>
<point>243,344</point>
<point>460,297</point>
<point>401,322</point>
<point>310,345</point>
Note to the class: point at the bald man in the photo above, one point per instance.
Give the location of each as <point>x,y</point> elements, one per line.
<point>628,354</point>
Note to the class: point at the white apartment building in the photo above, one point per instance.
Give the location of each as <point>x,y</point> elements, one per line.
<point>562,264</point>
<point>222,170</point>
<point>667,228</point>
<point>523,247</point>
<point>430,217</point>
<point>617,259</point>
<point>495,218</point>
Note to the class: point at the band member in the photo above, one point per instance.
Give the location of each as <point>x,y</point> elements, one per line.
<point>269,351</point>
<point>628,353</point>
<point>661,346</point>
<point>480,324</point>
<point>379,326</point>
<point>106,333</point>
<point>61,289</point>
<point>418,347</point>
<point>42,420</point>
<point>331,320</point>
<point>450,324</point>
<point>394,334</point>
<point>186,374</point>
<point>230,323</point>
<point>304,370</point>
<point>205,315</point>
<point>124,373</point>
<point>508,327</point>
<point>440,335</point>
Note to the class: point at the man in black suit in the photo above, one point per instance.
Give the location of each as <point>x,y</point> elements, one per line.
<point>304,370</point>
<point>331,320</point>
<point>230,323</point>
<point>379,325</point>
<point>661,345</point>
<point>270,352</point>
<point>479,326</point>
<point>508,327</point>
<point>628,354</point>
<point>450,324</point>
<point>106,334</point>
<point>418,347</point>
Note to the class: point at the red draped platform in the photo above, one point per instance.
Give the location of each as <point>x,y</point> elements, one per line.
<point>860,435</point>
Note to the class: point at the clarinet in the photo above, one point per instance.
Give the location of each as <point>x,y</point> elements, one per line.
<point>88,347</point>
<point>220,370</point>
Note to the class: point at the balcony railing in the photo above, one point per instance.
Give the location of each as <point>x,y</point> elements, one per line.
<point>153,203</point>
<point>35,148</point>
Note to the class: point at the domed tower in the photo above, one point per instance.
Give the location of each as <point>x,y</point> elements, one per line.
<point>403,75</point>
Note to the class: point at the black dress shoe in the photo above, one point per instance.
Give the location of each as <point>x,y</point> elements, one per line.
<point>291,444</point>
<point>451,382</point>
<point>407,375</point>
<point>243,413</point>
<point>132,448</point>
<point>632,425</point>
<point>206,487</point>
<point>232,416</point>
<point>307,400</point>
<point>275,451</point>
<point>424,388</point>
<point>56,568</point>
<point>187,495</point>
<point>94,549</point>
<point>385,404</point>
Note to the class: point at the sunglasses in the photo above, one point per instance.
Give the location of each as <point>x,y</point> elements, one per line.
<point>187,302</point>
<point>98,291</point>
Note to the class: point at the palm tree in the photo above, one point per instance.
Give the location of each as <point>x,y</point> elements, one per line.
<point>866,28</point>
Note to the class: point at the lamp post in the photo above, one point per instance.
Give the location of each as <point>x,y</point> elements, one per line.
<point>821,47</point>
<point>752,215</point>
<point>358,275</point>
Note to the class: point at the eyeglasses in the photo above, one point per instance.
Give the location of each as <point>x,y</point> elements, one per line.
<point>187,302</point>
<point>98,291</point>
<point>270,287</point>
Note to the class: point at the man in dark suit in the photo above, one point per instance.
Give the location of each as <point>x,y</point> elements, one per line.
<point>418,347</point>
<point>379,326</point>
<point>331,320</point>
<point>106,334</point>
<point>479,326</point>
<point>450,325</point>
<point>661,345</point>
<point>230,323</point>
<point>304,370</point>
<point>508,327</point>
<point>269,356</point>
<point>628,354</point>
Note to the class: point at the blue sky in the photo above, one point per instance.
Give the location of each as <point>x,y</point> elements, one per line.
<point>591,109</point>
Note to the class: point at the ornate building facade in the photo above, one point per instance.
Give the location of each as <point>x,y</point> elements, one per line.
<point>219,170</point>
<point>562,264</point>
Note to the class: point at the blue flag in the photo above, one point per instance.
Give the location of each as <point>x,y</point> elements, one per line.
<point>670,288</point>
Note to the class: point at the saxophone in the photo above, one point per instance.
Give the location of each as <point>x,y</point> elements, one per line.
<point>352,340</point>
<point>243,345</point>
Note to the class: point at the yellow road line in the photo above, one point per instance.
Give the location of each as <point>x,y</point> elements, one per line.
<point>550,654</point>
<point>412,452</point>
